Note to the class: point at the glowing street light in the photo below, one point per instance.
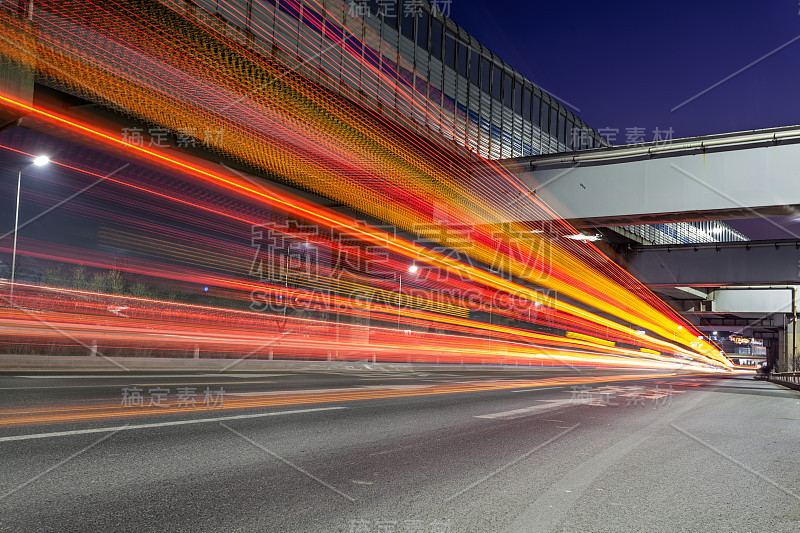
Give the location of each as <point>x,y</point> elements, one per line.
<point>39,161</point>
<point>412,270</point>
<point>584,237</point>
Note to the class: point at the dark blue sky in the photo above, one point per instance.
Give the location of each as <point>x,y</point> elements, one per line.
<point>626,64</point>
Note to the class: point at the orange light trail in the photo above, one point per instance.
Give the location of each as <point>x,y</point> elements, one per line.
<point>164,66</point>
<point>104,410</point>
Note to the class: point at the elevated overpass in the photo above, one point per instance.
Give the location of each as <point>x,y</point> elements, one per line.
<point>747,287</point>
<point>716,177</point>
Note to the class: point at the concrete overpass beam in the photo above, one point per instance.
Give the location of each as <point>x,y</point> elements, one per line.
<point>755,300</point>
<point>719,264</point>
<point>706,178</point>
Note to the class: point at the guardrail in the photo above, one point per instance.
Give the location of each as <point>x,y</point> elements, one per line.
<point>787,379</point>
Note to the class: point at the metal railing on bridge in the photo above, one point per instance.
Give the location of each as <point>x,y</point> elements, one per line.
<point>788,379</point>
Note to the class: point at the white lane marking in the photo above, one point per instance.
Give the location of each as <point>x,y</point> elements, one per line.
<point>398,387</point>
<point>141,376</point>
<point>296,391</point>
<point>361,388</point>
<point>546,405</point>
<point>392,450</point>
<point>118,385</point>
<point>536,389</point>
<point>162,424</point>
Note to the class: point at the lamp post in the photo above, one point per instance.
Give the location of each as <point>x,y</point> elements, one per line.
<point>285,296</point>
<point>412,269</point>
<point>38,161</point>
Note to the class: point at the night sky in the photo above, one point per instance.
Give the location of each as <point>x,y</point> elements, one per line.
<point>626,64</point>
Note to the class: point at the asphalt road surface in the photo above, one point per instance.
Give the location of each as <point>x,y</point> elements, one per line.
<point>394,451</point>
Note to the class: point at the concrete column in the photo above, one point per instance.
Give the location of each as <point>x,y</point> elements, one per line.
<point>783,359</point>
<point>791,343</point>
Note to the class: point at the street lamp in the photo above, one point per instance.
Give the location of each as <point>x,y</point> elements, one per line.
<point>39,161</point>
<point>413,270</point>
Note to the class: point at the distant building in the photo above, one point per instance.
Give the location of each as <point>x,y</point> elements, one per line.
<point>494,110</point>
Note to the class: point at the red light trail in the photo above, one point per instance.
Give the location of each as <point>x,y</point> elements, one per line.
<point>185,222</point>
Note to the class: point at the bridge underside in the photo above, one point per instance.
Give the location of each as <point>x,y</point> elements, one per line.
<point>749,288</point>
<point>746,287</point>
